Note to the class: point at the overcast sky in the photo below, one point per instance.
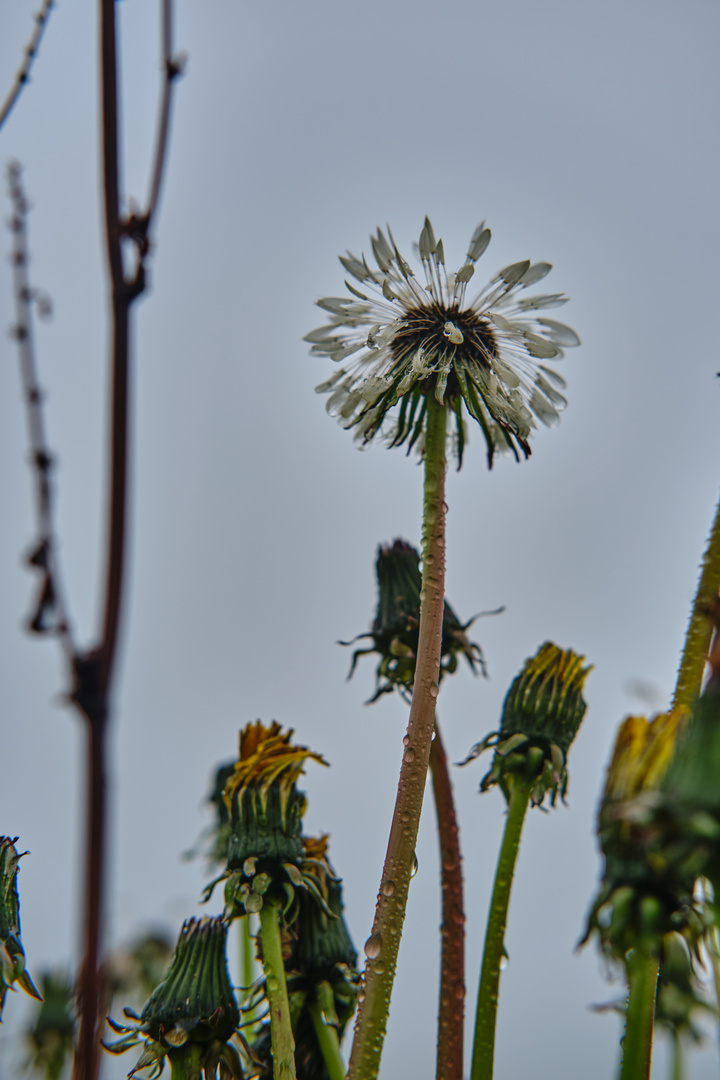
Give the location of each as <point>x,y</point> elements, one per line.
<point>586,135</point>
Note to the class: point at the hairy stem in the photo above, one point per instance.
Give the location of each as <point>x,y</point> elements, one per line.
<point>283,1043</point>
<point>486,1017</point>
<point>384,942</point>
<point>329,1043</point>
<point>700,627</point>
<point>452,965</point>
<point>642,973</point>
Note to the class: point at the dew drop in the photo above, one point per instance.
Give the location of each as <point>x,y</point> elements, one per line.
<point>373,945</point>
<point>459,992</point>
<point>405,818</point>
<point>387,888</point>
<point>409,756</point>
<point>379,968</point>
<point>416,866</point>
<point>434,689</point>
<point>361,997</point>
<point>406,740</point>
<point>503,963</point>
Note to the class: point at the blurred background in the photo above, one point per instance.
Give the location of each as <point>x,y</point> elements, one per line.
<point>586,135</point>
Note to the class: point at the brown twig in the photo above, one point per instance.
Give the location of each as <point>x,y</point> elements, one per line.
<point>94,670</point>
<point>49,614</point>
<point>23,75</point>
<point>452,968</point>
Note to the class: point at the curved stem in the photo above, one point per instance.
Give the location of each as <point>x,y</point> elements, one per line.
<point>329,1043</point>
<point>642,972</point>
<point>700,627</point>
<point>452,965</point>
<point>283,1043</point>
<point>384,942</point>
<point>485,1020</point>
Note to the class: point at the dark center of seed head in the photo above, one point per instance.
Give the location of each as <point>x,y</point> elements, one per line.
<point>427,327</point>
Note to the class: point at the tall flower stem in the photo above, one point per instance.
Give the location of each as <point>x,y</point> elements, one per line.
<point>283,1043</point>
<point>642,969</point>
<point>384,942</point>
<point>700,627</point>
<point>486,1016</point>
<point>329,1043</point>
<point>452,964</point>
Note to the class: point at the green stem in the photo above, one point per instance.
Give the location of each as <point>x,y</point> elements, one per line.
<point>700,627</point>
<point>327,1038</point>
<point>452,965</point>
<point>186,1063</point>
<point>247,970</point>
<point>486,1016</point>
<point>678,1057</point>
<point>642,973</point>
<point>283,1043</point>
<point>384,942</point>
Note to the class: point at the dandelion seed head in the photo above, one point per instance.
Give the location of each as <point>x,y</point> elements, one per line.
<point>399,341</point>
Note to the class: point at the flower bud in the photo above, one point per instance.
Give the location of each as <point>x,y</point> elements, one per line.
<point>12,954</point>
<point>190,1017</point>
<point>541,716</point>
<point>265,808</point>
<point>395,630</point>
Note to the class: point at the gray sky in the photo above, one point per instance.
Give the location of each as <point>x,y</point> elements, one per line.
<point>586,135</point>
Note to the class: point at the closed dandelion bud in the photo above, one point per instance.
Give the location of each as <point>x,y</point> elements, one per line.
<point>395,630</point>
<point>265,851</point>
<point>12,954</point>
<point>647,892</point>
<point>191,1016</point>
<point>541,716</point>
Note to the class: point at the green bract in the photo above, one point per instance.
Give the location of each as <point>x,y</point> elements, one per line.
<point>12,954</point>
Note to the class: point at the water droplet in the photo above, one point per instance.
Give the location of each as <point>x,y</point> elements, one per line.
<point>409,756</point>
<point>434,690</point>
<point>416,866</point>
<point>503,963</point>
<point>373,945</point>
<point>361,997</point>
<point>272,984</point>
<point>405,818</point>
<point>379,967</point>
<point>459,992</point>
<point>387,888</point>
<point>406,740</point>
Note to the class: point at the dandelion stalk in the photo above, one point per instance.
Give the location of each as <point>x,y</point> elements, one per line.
<point>699,631</point>
<point>452,963</point>
<point>642,969</point>
<point>494,951</point>
<point>384,942</point>
<point>329,1043</point>
<point>283,1043</point>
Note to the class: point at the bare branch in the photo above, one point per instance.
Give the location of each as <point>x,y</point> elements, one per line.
<point>50,614</point>
<point>23,75</point>
<point>173,66</point>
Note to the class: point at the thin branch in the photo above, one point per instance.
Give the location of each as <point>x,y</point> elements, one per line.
<point>173,67</point>
<point>22,77</point>
<point>50,614</point>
